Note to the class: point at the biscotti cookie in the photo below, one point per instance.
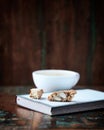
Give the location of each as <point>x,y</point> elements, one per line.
<point>36,93</point>
<point>62,96</point>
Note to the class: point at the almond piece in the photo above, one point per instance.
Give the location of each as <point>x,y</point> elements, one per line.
<point>62,95</point>
<point>56,98</point>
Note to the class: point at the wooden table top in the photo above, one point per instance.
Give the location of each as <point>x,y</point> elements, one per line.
<point>15,117</point>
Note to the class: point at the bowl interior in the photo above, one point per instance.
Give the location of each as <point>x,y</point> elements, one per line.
<point>55,72</point>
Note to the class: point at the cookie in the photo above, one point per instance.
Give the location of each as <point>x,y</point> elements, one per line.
<point>36,93</point>
<point>62,96</point>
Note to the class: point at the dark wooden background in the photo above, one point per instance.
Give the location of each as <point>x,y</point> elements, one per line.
<point>51,34</point>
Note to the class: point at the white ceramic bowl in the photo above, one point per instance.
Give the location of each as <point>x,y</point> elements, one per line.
<point>53,79</point>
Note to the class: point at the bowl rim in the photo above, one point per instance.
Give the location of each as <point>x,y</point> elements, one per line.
<point>66,73</point>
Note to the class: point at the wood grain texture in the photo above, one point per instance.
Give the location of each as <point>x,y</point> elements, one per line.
<point>55,34</point>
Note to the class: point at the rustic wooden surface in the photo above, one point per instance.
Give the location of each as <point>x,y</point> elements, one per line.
<point>15,117</point>
<point>61,34</point>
